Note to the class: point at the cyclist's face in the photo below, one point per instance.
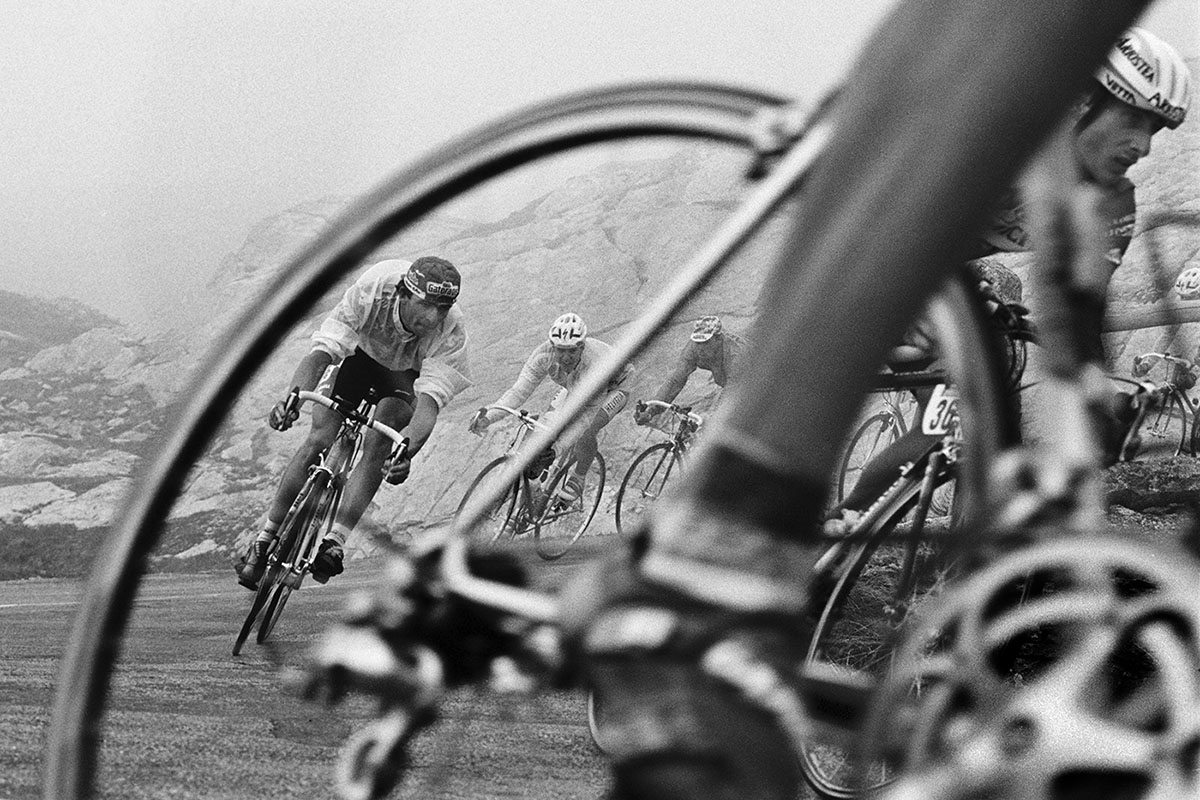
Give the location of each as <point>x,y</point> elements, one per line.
<point>568,357</point>
<point>421,316</point>
<point>1116,137</point>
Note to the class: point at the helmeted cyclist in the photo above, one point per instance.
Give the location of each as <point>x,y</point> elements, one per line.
<point>691,641</point>
<point>564,357</point>
<point>397,334</point>
<point>1142,87</point>
<point>711,347</point>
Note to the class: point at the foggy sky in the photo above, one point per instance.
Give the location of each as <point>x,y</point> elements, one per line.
<point>143,139</point>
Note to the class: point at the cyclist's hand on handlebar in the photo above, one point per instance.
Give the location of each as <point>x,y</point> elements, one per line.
<point>285,412</point>
<point>643,414</point>
<point>398,466</point>
<point>479,423</point>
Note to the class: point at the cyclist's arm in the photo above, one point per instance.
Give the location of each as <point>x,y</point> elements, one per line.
<point>310,369</point>
<point>531,376</point>
<point>419,428</point>
<point>676,379</point>
<point>446,369</point>
<point>339,333</point>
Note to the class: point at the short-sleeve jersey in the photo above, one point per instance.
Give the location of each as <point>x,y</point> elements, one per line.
<point>365,318</point>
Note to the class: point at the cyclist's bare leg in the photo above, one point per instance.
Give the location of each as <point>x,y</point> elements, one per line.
<point>709,606</point>
<point>324,428</point>
<point>368,474</point>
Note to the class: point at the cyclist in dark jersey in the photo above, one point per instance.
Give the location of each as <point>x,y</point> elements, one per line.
<point>691,642</point>
<point>711,347</point>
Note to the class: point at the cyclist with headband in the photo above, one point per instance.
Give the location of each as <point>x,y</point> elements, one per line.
<point>396,334</point>
<point>1142,87</point>
<point>564,357</point>
<point>691,640</point>
<point>710,347</point>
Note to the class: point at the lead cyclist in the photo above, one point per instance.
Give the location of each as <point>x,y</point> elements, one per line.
<point>692,638</point>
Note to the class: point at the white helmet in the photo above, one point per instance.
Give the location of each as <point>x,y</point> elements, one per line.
<point>568,331</point>
<point>1146,72</point>
<point>1187,285</point>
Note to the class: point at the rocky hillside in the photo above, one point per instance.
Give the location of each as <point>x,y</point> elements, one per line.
<point>81,399</point>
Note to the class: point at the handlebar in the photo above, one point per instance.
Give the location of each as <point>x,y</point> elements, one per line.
<point>1183,362</point>
<point>526,418</point>
<point>683,411</point>
<point>399,439</point>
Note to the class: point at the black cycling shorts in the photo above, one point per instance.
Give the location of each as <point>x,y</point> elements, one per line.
<point>361,377</point>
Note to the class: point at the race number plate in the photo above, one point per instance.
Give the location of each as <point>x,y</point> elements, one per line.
<point>941,413</point>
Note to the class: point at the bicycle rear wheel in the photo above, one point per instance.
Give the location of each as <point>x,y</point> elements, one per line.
<point>644,483</point>
<point>562,523</point>
<point>863,595</point>
<point>504,518</point>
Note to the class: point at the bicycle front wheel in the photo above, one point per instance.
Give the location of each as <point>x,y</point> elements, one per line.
<point>504,518</point>
<point>644,483</point>
<point>875,434</point>
<point>562,522</point>
<point>280,555</point>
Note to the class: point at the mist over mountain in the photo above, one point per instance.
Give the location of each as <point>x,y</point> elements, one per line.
<point>83,399</point>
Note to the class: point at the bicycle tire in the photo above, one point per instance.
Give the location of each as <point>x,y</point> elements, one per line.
<point>507,508</point>
<point>302,550</point>
<point>858,603</point>
<point>274,568</point>
<point>878,429</point>
<point>559,526</point>
<point>637,491</point>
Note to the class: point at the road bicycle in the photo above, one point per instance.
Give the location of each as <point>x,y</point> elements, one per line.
<point>529,505</point>
<point>311,515</point>
<point>398,649</point>
<point>652,468</point>
<point>1164,417</point>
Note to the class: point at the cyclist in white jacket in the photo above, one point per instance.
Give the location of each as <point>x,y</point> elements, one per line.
<point>397,334</point>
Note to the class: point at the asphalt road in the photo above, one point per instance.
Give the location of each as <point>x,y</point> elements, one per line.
<point>188,720</point>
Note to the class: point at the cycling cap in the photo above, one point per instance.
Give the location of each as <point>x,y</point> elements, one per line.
<point>568,331</point>
<point>433,279</point>
<point>1146,72</point>
<point>706,328</point>
<point>1187,285</point>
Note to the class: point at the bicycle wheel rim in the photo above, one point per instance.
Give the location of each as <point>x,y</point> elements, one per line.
<point>636,492</point>
<point>557,527</point>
